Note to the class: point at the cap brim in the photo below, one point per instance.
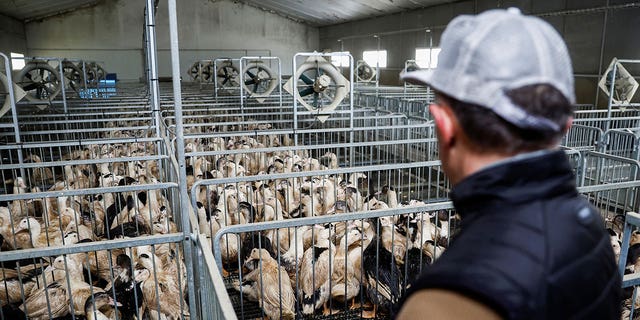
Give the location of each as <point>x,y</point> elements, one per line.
<point>422,77</point>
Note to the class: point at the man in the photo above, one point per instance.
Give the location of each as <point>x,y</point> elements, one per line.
<point>530,246</point>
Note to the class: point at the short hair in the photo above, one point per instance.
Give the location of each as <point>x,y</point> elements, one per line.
<point>488,131</point>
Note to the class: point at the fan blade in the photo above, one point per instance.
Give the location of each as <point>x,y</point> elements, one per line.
<point>305,79</point>
<point>255,88</point>
<point>30,86</point>
<point>306,92</point>
<point>248,82</point>
<point>251,75</point>
<point>225,81</point>
<point>226,71</point>
<point>315,100</point>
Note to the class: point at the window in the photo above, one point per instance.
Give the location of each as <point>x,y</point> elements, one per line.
<point>17,64</point>
<point>340,61</point>
<point>371,57</point>
<point>427,58</point>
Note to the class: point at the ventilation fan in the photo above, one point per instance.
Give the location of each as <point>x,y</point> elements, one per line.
<point>194,71</point>
<point>411,65</point>
<point>40,81</point>
<point>364,72</point>
<point>624,87</point>
<point>206,72</point>
<point>201,71</point>
<point>74,77</point>
<point>321,87</point>
<point>227,75</point>
<point>259,80</point>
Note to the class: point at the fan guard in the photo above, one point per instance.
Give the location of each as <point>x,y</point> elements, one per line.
<point>321,87</point>
<point>259,80</point>
<point>364,72</point>
<point>410,66</point>
<point>228,75</point>
<point>625,85</point>
<point>40,81</point>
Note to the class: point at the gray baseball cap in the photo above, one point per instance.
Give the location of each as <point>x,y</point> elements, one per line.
<point>486,55</point>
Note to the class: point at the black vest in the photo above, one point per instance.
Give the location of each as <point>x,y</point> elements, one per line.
<point>530,246</point>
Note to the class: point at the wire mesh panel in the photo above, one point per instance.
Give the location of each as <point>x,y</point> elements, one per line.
<point>622,142</point>
<point>600,120</point>
<point>410,104</point>
<point>85,193</point>
<point>136,278</point>
<point>214,302</point>
<point>331,267</point>
<point>69,129</point>
<point>70,193</point>
<point>246,167</point>
<point>624,239</point>
<point>582,137</point>
<point>599,169</point>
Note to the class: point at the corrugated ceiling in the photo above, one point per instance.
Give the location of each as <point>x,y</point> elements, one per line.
<point>34,9</point>
<point>314,12</point>
<point>327,12</point>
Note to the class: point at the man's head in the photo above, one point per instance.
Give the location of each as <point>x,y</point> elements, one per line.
<point>504,85</point>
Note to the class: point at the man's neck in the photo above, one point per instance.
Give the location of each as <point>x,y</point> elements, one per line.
<point>474,162</point>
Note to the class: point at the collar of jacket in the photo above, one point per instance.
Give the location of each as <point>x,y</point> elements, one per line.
<point>516,180</point>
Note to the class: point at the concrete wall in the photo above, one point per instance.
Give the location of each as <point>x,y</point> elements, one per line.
<point>401,33</point>
<point>112,32</point>
<point>12,37</point>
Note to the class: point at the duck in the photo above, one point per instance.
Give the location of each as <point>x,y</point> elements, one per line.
<point>347,266</point>
<point>291,258</point>
<point>254,240</point>
<point>280,238</point>
<point>128,293</point>
<point>82,232</point>
<point>13,283</point>
<point>20,208</point>
<point>228,247</point>
<point>316,268</point>
<point>393,240</point>
<point>207,222</point>
<point>383,278</point>
<point>353,198</point>
<point>6,228</point>
<point>56,271</point>
<point>97,302</point>
<point>52,301</point>
<point>615,243</point>
<point>329,160</point>
<point>415,262</point>
<point>390,195</point>
<point>134,228</point>
<point>98,263</point>
<point>161,299</point>
<point>29,235</point>
<point>269,284</point>
<point>42,175</point>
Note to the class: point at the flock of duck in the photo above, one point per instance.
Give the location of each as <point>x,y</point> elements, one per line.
<point>291,272</point>
<point>144,282</point>
<point>316,269</point>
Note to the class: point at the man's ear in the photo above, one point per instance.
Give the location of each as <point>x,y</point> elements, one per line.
<point>444,120</point>
<point>568,124</point>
